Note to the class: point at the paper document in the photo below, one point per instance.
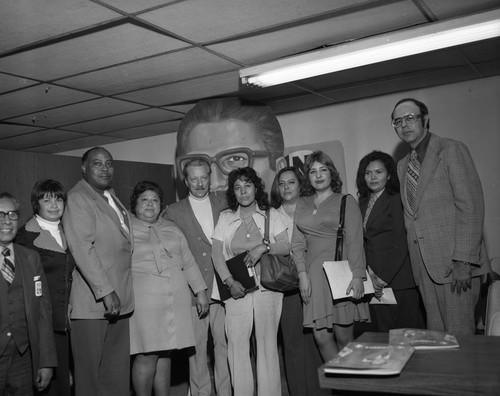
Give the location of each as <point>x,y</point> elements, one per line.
<point>339,276</point>
<point>387,298</point>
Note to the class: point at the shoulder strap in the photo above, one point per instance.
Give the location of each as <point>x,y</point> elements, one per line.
<point>340,232</point>
<point>265,240</point>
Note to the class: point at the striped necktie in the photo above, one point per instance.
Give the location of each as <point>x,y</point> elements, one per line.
<point>7,269</point>
<point>108,197</point>
<point>412,175</point>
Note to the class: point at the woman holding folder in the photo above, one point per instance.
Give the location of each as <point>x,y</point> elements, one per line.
<point>313,242</point>
<point>385,244</point>
<point>241,229</point>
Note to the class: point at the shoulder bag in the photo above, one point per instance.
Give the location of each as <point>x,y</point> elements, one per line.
<point>277,272</point>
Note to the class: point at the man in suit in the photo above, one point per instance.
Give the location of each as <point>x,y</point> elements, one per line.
<point>97,228</point>
<point>444,214</point>
<point>196,216</point>
<point>27,348</point>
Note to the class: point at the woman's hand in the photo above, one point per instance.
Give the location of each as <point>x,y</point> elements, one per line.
<point>378,285</point>
<point>254,255</point>
<point>356,285</point>
<point>202,304</point>
<point>305,287</point>
<point>237,290</point>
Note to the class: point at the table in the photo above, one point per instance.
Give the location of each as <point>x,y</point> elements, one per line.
<point>472,369</point>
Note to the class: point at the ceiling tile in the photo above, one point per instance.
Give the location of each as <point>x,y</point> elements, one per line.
<point>199,88</point>
<point>68,145</point>
<point>7,130</point>
<point>39,138</point>
<point>133,6</point>
<point>10,83</point>
<point>95,50</point>
<point>181,108</point>
<point>79,112</point>
<point>207,20</point>
<point>26,21</point>
<point>149,72</point>
<point>114,123</point>
<point>451,8</point>
<point>38,98</point>
<point>294,40</point>
<point>161,128</point>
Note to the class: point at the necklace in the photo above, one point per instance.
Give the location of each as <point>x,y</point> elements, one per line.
<point>244,220</point>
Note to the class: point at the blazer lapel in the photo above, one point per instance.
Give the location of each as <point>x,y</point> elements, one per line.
<point>28,284</point>
<point>378,209</point>
<point>431,162</point>
<point>402,166</point>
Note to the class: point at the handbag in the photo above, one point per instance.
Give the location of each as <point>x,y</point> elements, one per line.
<point>339,248</point>
<point>277,272</point>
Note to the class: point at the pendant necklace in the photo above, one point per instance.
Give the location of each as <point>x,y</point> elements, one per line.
<point>247,236</point>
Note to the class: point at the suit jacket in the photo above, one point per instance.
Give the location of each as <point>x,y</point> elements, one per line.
<point>448,220</point>
<point>385,242</point>
<point>181,213</point>
<point>37,308</point>
<point>102,250</point>
<point>58,265</point>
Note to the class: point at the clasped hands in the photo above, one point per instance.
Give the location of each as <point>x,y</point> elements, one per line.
<point>461,273</point>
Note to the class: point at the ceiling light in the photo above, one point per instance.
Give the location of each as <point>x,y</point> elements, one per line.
<point>380,48</point>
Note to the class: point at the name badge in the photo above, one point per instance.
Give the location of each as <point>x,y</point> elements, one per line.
<point>38,286</point>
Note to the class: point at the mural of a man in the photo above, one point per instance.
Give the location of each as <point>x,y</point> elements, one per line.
<point>231,133</point>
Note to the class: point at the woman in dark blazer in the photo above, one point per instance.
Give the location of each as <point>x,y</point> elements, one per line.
<point>44,234</point>
<point>385,243</point>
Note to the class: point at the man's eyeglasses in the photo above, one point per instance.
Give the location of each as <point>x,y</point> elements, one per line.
<point>408,119</point>
<point>12,215</point>
<point>226,160</point>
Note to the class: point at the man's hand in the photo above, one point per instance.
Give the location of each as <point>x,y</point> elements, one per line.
<point>113,306</point>
<point>43,378</point>
<point>202,304</point>
<point>461,276</point>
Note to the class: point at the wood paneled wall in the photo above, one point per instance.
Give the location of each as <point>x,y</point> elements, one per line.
<point>19,171</point>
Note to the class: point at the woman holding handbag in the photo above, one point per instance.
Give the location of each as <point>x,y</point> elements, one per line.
<point>301,356</point>
<point>240,229</point>
<point>313,242</point>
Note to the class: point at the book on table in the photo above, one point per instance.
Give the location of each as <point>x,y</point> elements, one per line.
<point>339,276</point>
<point>422,338</point>
<point>241,273</point>
<point>368,358</point>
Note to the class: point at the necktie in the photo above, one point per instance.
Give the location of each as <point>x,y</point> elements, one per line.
<point>112,203</point>
<point>8,270</point>
<point>369,208</point>
<point>412,175</point>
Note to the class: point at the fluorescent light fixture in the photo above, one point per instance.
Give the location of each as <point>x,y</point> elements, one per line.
<point>380,48</point>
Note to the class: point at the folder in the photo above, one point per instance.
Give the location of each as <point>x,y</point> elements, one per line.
<point>241,273</point>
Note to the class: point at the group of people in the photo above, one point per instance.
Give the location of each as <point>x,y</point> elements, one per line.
<point>114,291</point>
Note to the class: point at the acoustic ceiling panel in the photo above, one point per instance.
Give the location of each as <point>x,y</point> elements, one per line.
<point>146,130</point>
<point>10,83</point>
<point>74,144</point>
<point>23,22</point>
<point>152,71</point>
<point>39,138</point>
<point>79,112</point>
<point>122,121</point>
<point>8,130</point>
<point>185,91</point>
<point>134,6</point>
<point>40,97</point>
<point>442,9</point>
<point>208,20</point>
<point>297,39</point>
<point>83,53</point>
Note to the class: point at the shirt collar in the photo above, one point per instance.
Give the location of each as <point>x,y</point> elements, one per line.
<point>421,148</point>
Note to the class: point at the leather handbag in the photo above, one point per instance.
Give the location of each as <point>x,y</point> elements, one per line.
<point>277,272</point>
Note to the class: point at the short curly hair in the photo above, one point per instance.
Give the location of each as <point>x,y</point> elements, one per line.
<point>141,187</point>
<point>249,175</point>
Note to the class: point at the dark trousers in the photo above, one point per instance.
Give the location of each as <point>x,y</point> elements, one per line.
<point>16,374</point>
<point>60,386</point>
<point>101,354</point>
<point>301,355</point>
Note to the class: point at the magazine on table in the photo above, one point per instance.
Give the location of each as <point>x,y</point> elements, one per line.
<point>369,358</point>
<point>422,339</point>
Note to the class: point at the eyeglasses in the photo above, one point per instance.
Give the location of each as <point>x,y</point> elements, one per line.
<point>227,160</point>
<point>12,215</point>
<point>408,119</point>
